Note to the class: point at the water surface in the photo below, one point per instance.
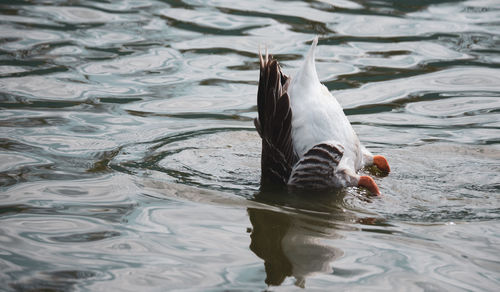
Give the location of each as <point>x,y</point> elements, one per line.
<point>129,160</point>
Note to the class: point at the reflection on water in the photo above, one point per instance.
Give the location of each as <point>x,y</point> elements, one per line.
<point>129,160</point>
<point>298,239</point>
<point>287,248</point>
<point>291,244</point>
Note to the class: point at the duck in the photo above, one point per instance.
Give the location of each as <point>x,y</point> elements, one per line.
<point>307,141</point>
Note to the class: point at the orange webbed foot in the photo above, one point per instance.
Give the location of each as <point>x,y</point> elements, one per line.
<point>381,163</point>
<point>368,183</point>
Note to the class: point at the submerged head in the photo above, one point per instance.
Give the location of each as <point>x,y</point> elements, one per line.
<point>381,163</point>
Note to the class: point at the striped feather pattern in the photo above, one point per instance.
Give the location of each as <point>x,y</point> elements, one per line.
<point>316,169</point>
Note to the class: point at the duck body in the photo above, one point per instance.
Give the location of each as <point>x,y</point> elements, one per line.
<point>319,118</point>
<point>325,150</point>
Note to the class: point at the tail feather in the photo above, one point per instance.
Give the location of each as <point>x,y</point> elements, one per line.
<point>274,123</point>
<point>307,73</point>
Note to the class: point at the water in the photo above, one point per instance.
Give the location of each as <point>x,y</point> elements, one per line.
<point>129,160</point>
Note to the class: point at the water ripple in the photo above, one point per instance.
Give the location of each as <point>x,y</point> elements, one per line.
<point>457,107</point>
<point>214,19</point>
<point>155,59</point>
<point>130,161</point>
<point>16,40</point>
<point>450,80</point>
<point>80,15</point>
<point>388,27</point>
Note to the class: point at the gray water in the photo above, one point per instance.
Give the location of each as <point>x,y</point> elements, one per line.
<point>129,160</point>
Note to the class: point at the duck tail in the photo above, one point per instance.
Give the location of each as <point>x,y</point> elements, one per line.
<point>274,123</point>
<point>306,76</point>
<point>309,62</point>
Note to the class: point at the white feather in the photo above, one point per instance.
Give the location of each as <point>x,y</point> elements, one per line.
<point>318,117</point>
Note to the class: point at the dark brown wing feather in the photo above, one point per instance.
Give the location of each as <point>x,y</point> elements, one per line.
<point>274,123</point>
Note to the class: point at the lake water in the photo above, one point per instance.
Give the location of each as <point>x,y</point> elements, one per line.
<point>129,160</point>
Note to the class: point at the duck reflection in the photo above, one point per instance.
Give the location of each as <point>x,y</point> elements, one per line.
<point>293,244</point>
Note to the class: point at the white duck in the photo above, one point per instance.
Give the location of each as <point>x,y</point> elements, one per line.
<point>307,141</point>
